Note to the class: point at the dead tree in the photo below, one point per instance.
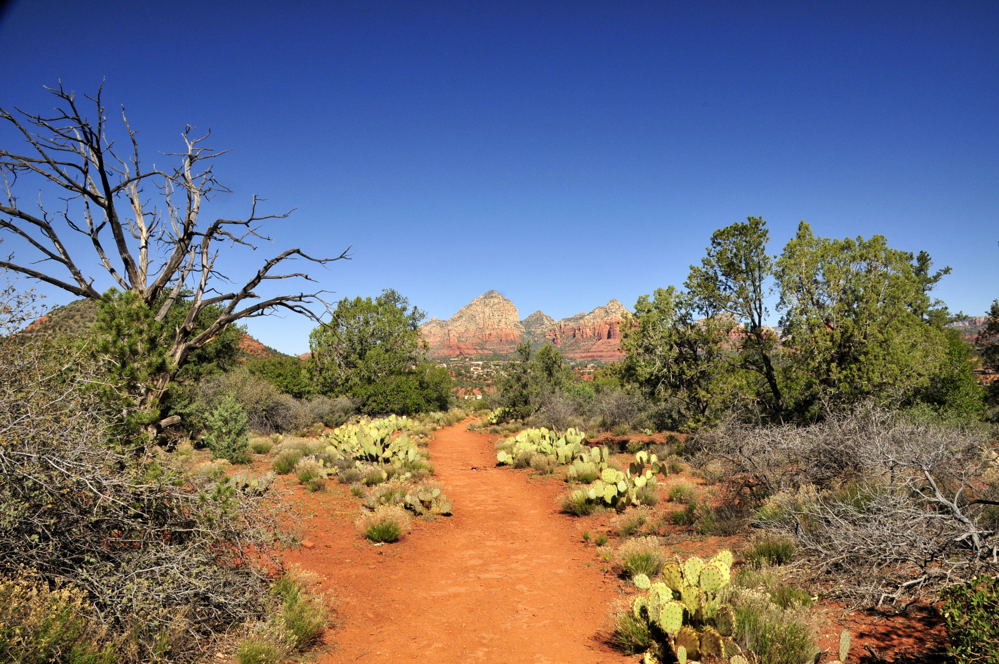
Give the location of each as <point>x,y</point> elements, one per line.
<point>163,252</point>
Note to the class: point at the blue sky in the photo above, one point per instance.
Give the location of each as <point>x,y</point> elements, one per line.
<point>563,153</point>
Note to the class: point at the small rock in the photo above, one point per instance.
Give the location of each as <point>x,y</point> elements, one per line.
<point>308,544</point>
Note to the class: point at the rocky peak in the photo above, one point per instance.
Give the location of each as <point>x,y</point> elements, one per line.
<point>490,309</point>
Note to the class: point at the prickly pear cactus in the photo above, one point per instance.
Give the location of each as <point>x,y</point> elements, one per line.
<point>692,570</point>
<point>725,620</point>
<point>711,642</point>
<point>688,638</point>
<point>641,581</point>
<point>672,576</point>
<point>671,618</point>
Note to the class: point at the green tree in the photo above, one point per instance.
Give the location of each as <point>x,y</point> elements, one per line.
<point>681,363</point>
<point>987,344</point>
<point>371,350</point>
<point>733,278</point>
<point>286,373</point>
<point>858,322</point>
<point>533,376</point>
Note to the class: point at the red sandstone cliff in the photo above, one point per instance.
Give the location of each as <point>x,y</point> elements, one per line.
<point>489,327</point>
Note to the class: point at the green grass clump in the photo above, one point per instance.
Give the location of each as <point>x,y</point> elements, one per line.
<point>640,555</point>
<point>577,503</point>
<point>631,635</point>
<point>261,445</point>
<point>308,469</point>
<point>681,493</point>
<point>601,539</point>
<point>686,516</point>
<point>775,634</point>
<point>286,460</point>
<point>298,621</point>
<point>388,523</point>
<point>771,550</point>
<point>632,524</point>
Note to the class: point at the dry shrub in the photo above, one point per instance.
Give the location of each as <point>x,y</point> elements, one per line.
<point>888,507</point>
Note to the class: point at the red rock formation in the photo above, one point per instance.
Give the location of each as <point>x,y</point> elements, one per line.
<point>592,337</point>
<point>488,325</point>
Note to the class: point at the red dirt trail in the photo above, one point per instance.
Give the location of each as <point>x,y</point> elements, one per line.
<point>506,579</point>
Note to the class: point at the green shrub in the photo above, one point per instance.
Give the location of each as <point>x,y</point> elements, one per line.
<point>641,555</point>
<point>577,503</point>
<point>775,635</point>
<point>681,493</point>
<point>631,635</point>
<point>632,522</point>
<point>388,523</point>
<point>303,613</point>
<point>226,434</point>
<point>309,469</point>
<point>40,625</point>
<point>600,539</point>
<point>261,445</point>
<point>970,612</point>
<point>258,650</point>
<point>771,550</point>
<point>286,460</point>
<point>686,516</point>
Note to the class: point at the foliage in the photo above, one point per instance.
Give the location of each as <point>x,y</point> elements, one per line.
<point>139,538</point>
<point>857,318</point>
<point>771,550</point>
<point>298,619</point>
<point>288,374</point>
<point>680,363</point>
<point>533,376</point>
<point>888,507</point>
<point>774,635</point>
<point>226,433</point>
<point>387,523</point>
<point>970,611</point>
<point>987,344</point>
<point>40,624</point>
<point>631,634</point>
<point>145,229</point>
<point>371,351</point>
<point>641,555</point>
<point>733,280</point>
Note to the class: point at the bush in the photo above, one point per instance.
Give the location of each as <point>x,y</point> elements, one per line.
<point>309,469</point>
<point>577,503</point>
<point>286,460</point>
<point>775,635</point>
<point>387,523</point>
<point>681,493</point>
<point>143,541</point>
<point>771,550</point>
<point>685,517</point>
<point>260,445</point>
<point>297,620</point>
<point>39,624</point>
<point>631,635</point>
<point>969,612</point>
<point>641,555</point>
<point>227,432</point>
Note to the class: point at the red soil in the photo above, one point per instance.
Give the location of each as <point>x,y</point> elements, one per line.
<point>506,579</point>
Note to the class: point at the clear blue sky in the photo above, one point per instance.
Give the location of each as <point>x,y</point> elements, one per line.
<point>563,153</point>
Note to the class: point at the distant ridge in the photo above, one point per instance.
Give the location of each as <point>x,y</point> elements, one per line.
<point>490,327</point>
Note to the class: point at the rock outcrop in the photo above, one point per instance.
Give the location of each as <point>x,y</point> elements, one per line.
<point>593,336</point>
<point>489,327</point>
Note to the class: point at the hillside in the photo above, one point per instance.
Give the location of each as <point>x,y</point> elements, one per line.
<point>490,327</point>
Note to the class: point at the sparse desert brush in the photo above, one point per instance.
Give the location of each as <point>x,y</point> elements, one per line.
<point>309,468</point>
<point>372,475</point>
<point>681,493</point>
<point>771,549</point>
<point>259,445</point>
<point>286,460</point>
<point>40,624</point>
<point>639,555</point>
<point>387,523</point>
<point>577,503</point>
<point>297,620</point>
<point>631,521</point>
<point>774,634</point>
<point>685,517</point>
<point>543,463</point>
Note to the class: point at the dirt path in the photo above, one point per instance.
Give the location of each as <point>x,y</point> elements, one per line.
<point>505,579</point>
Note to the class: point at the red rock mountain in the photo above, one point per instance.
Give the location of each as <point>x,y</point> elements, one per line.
<point>489,326</point>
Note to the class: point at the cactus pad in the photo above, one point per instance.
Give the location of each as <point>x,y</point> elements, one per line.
<point>672,576</point>
<point>711,642</point>
<point>688,638</point>
<point>671,618</point>
<point>641,581</point>
<point>711,579</point>
<point>692,570</point>
<point>725,620</point>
